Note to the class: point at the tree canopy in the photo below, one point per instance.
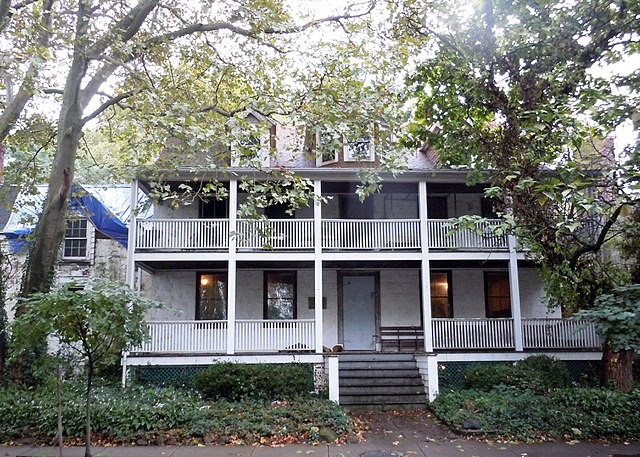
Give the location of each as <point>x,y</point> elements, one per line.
<point>154,73</point>
<point>518,88</point>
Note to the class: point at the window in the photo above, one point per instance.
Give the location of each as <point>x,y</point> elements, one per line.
<point>359,149</point>
<point>437,207</point>
<point>252,145</point>
<point>211,301</point>
<point>279,211</point>
<point>325,145</point>
<point>214,208</point>
<point>280,295</point>
<point>75,239</point>
<point>441,303</point>
<point>487,208</point>
<point>497,294</point>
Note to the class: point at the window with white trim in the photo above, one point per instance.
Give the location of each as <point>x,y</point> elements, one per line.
<point>280,294</point>
<point>327,144</point>
<point>360,149</point>
<point>252,144</point>
<point>76,239</point>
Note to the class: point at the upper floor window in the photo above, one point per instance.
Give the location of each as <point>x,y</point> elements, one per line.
<point>359,149</point>
<point>327,147</point>
<point>253,138</point>
<point>280,295</point>
<point>330,146</point>
<point>75,239</point>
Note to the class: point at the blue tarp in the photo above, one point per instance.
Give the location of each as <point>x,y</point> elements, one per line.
<point>106,207</point>
<point>98,214</point>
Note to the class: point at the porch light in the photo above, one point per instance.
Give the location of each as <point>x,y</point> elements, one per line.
<point>204,281</point>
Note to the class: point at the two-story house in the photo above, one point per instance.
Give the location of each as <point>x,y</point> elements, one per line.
<point>381,292</point>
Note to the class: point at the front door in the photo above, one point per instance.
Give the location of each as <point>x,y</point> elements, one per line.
<point>359,322</point>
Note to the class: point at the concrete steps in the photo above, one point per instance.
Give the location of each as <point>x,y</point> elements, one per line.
<point>375,380</point>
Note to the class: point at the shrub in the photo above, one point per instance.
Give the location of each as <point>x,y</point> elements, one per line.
<point>150,411</point>
<point>486,376</point>
<point>538,373</point>
<point>570,413</point>
<point>34,412</point>
<point>542,373</point>
<point>260,382</point>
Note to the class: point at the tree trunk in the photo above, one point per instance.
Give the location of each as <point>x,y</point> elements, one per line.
<point>59,401</point>
<point>87,446</point>
<point>617,368</point>
<point>52,223</point>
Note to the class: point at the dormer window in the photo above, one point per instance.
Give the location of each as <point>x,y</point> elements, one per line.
<point>326,147</point>
<point>361,149</point>
<point>76,239</point>
<point>252,140</point>
<point>251,148</point>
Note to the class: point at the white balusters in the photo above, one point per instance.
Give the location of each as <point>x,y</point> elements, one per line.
<point>275,335</point>
<point>182,234</point>
<point>374,235</point>
<point>185,337</point>
<point>559,334</point>
<point>442,235</point>
<point>473,333</point>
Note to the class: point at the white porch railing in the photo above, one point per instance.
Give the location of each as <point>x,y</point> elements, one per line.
<point>189,337</point>
<point>186,337</point>
<point>559,334</point>
<point>275,335</point>
<point>371,234</point>
<point>297,234</point>
<point>441,235</point>
<point>451,333</point>
<point>182,234</point>
<point>275,234</point>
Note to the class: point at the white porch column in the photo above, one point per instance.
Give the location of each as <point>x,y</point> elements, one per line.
<point>434,382</point>
<point>334,379</point>
<point>317,264</point>
<point>514,289</point>
<point>425,275</point>
<point>231,271</point>
<point>131,236</point>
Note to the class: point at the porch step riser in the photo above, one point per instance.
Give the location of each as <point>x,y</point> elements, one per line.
<point>380,365</point>
<point>379,357</point>
<point>383,400</point>
<point>379,373</point>
<point>385,382</point>
<point>381,390</point>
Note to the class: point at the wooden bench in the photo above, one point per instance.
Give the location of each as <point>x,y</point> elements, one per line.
<point>401,338</point>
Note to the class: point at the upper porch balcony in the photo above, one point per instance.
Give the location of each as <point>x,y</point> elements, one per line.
<point>177,235</point>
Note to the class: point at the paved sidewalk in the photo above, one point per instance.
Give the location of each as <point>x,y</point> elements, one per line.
<point>390,435</point>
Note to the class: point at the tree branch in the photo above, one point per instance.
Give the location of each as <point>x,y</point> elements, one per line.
<point>126,28</point>
<point>15,107</point>
<point>110,102</point>
<point>595,247</point>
